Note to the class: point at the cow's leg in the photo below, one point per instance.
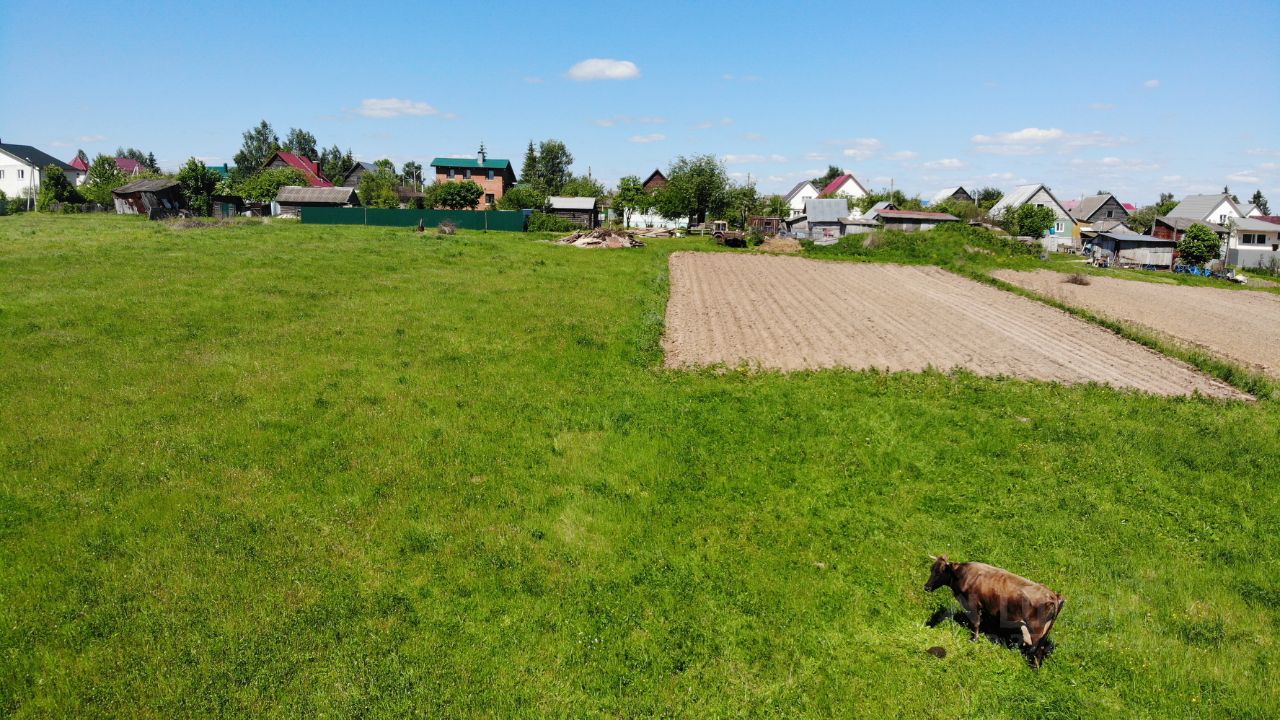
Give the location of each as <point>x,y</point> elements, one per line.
<point>975,619</point>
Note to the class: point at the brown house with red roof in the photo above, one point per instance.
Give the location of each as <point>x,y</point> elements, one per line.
<point>309,168</point>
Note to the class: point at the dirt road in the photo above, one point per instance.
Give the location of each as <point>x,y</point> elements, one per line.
<point>793,314</point>
<point>1238,324</point>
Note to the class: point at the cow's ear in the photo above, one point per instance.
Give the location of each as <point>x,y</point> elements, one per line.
<point>943,558</point>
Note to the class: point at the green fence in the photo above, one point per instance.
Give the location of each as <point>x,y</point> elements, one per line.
<point>510,220</point>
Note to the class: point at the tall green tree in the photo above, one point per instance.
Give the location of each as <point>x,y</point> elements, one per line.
<point>631,198</point>
<point>151,163</point>
<point>529,170</point>
<point>697,186</point>
<point>104,175</point>
<point>582,186</point>
<point>385,164</point>
<point>1198,245</point>
<point>377,189</point>
<point>301,142</point>
<point>823,180</point>
<point>197,184</point>
<point>335,164</point>
<point>1261,201</point>
<point>743,202</point>
<point>1142,219</point>
<point>1166,205</point>
<point>987,197</point>
<point>553,166</point>
<point>412,173</point>
<point>83,156</point>
<point>259,144</point>
<point>776,206</point>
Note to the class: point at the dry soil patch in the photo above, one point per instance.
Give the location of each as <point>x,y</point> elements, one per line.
<point>792,314</point>
<point>1238,324</point>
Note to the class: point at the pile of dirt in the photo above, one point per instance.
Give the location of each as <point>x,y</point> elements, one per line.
<point>602,238</point>
<point>778,244</point>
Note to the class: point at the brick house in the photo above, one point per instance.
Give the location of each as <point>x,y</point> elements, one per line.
<point>495,176</point>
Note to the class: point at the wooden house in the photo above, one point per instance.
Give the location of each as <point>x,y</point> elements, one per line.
<point>1098,208</point>
<point>1064,232</point>
<point>581,210</point>
<point>153,198</point>
<point>308,167</point>
<point>953,193</point>
<point>226,206</point>
<point>655,181</point>
<point>357,171</point>
<point>292,198</point>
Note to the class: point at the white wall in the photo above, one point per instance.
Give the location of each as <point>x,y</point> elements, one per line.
<point>1223,210</point>
<point>654,220</point>
<point>10,183</point>
<point>850,190</point>
<point>797,202</point>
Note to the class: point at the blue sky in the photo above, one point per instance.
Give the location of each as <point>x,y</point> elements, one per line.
<point>1134,98</point>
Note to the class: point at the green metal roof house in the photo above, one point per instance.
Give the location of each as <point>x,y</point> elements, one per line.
<point>495,176</point>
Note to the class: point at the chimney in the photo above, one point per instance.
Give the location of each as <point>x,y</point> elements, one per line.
<point>482,155</point>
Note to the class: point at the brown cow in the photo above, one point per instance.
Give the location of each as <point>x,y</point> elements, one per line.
<point>1012,601</point>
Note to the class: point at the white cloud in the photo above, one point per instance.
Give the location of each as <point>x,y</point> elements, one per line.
<point>1033,141</point>
<point>904,155</point>
<point>393,107</point>
<point>1264,152</point>
<point>754,137</point>
<point>1244,176</point>
<point>732,159</point>
<point>815,157</point>
<point>1112,166</point>
<point>604,69</point>
<point>708,124</point>
<point>628,120</point>
<point>1171,178</point>
<point>860,148</point>
<point>945,164</point>
<point>1151,84</point>
<point>91,138</point>
<point>651,137</point>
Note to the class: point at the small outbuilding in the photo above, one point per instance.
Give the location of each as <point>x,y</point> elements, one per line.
<point>292,198</point>
<point>913,220</point>
<point>1119,247</point>
<point>581,210</point>
<point>226,206</point>
<point>823,221</point>
<point>766,225</point>
<point>153,198</point>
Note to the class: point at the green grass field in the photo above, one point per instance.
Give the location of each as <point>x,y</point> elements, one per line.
<point>305,471</point>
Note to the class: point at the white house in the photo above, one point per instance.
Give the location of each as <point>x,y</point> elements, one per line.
<point>803,192</point>
<point>846,186</point>
<point>1253,243</point>
<point>1217,209</point>
<point>1065,232</point>
<point>21,167</point>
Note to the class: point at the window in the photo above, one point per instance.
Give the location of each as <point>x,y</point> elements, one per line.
<point>1110,213</point>
<point>489,175</point>
<point>21,173</point>
<point>466,174</point>
<point>488,198</point>
<point>1,174</point>
<point>1222,219</point>
<point>451,173</point>
<point>1057,227</point>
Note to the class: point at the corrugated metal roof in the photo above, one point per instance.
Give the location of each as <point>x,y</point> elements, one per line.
<point>33,156</point>
<point>826,209</point>
<point>145,186</point>
<point>1254,225</point>
<point>1182,223</point>
<point>1135,238</point>
<point>1016,197</point>
<point>309,167</point>
<point>571,203</point>
<point>494,164</point>
<point>296,194</point>
<point>1198,207</point>
<point>946,193</point>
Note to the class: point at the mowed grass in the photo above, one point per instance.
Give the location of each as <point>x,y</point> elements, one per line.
<point>301,471</point>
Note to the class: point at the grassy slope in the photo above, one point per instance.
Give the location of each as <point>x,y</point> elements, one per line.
<point>284,470</point>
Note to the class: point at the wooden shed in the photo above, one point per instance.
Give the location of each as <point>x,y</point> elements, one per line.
<point>1131,249</point>
<point>226,206</point>
<point>292,198</point>
<point>581,210</point>
<point>153,198</point>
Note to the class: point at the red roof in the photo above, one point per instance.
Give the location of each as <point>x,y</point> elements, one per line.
<point>1129,206</point>
<point>129,166</point>
<point>916,215</point>
<point>79,164</point>
<point>836,184</point>
<point>1267,218</point>
<point>309,167</point>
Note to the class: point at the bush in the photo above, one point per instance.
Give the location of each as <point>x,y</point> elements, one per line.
<point>1198,245</point>
<point>4,203</point>
<point>546,222</point>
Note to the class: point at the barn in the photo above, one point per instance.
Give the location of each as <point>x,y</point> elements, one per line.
<point>581,210</point>
<point>292,198</point>
<point>153,198</point>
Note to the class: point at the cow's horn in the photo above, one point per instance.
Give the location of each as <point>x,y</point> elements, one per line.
<point>933,557</point>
